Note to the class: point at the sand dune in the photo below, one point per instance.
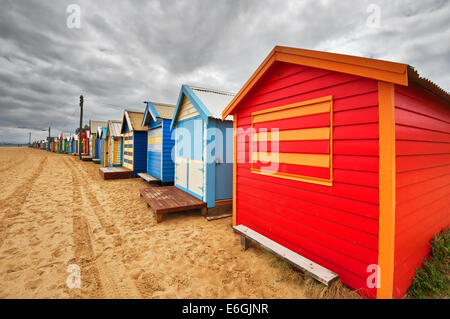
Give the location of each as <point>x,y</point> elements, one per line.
<point>56,211</point>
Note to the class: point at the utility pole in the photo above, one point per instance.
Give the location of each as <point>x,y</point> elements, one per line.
<point>48,138</point>
<point>81,125</point>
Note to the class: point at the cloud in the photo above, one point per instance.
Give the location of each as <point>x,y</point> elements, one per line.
<point>129,51</point>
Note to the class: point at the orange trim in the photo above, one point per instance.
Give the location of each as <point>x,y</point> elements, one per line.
<point>302,134</point>
<point>234,166</point>
<point>386,235</point>
<point>370,68</point>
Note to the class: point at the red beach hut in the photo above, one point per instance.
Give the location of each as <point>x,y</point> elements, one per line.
<point>345,161</point>
<point>85,142</point>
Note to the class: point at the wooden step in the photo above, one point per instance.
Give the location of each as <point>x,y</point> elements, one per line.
<point>147,177</point>
<point>170,199</point>
<point>115,172</point>
<point>309,267</point>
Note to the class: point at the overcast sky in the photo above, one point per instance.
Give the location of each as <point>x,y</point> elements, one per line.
<point>126,52</point>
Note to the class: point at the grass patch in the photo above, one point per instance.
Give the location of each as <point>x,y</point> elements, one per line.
<point>313,288</point>
<point>433,279</point>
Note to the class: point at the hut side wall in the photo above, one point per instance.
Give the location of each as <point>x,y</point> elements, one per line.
<point>139,152</point>
<point>335,226</point>
<point>102,151</point>
<point>97,148</point>
<point>154,150</point>
<point>168,165</point>
<point>223,166</point>
<point>422,180</point>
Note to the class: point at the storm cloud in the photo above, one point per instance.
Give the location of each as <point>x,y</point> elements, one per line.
<point>127,52</point>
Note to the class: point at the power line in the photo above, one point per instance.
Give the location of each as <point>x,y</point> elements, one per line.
<point>108,104</point>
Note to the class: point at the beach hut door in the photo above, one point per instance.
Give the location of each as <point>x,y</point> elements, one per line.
<point>189,159</point>
<point>154,164</point>
<point>128,150</point>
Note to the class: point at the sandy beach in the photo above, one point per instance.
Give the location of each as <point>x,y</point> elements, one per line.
<point>56,211</point>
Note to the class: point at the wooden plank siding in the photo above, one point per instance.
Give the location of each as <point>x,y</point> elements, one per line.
<point>154,152</point>
<point>335,226</point>
<point>139,152</point>
<point>422,179</point>
<point>168,165</point>
<point>187,110</point>
<point>128,150</point>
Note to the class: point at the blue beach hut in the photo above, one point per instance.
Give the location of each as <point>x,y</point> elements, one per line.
<point>103,146</point>
<point>160,165</point>
<point>203,144</point>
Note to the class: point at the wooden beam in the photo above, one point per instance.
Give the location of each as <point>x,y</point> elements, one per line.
<point>234,166</point>
<point>386,235</point>
<point>309,267</point>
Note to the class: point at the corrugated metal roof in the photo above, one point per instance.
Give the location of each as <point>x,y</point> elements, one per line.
<point>114,128</point>
<point>96,124</point>
<point>165,111</point>
<point>214,100</point>
<point>414,76</point>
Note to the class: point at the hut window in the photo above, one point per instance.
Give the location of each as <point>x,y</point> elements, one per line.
<point>294,141</point>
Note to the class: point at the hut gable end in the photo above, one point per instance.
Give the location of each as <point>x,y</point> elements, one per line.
<point>187,110</point>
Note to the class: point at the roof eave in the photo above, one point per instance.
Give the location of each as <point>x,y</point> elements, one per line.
<point>196,102</point>
<point>149,109</point>
<point>370,68</point>
<point>414,77</point>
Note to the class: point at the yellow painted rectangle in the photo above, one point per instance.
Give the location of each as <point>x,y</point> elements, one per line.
<point>316,160</point>
<point>155,139</point>
<point>323,105</point>
<point>293,111</point>
<point>308,134</point>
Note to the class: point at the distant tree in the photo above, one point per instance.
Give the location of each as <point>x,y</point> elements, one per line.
<point>85,128</point>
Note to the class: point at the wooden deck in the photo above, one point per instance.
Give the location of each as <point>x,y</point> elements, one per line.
<point>169,199</point>
<point>86,158</point>
<point>115,172</point>
<point>309,267</point>
<point>147,177</point>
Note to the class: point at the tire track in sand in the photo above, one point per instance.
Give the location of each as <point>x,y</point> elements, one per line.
<point>147,283</point>
<point>111,288</point>
<point>7,168</point>
<point>91,285</point>
<point>13,204</point>
<point>129,286</point>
